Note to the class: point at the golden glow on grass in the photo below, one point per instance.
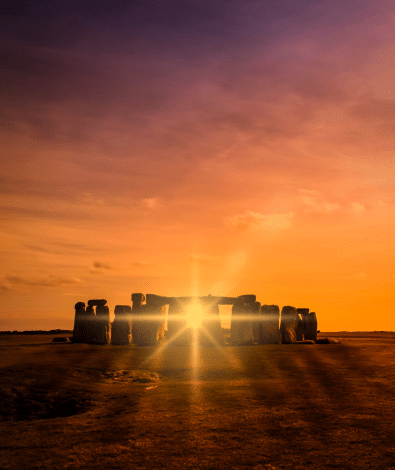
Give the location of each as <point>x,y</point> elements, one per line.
<point>194,315</point>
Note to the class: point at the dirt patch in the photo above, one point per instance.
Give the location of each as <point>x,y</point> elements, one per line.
<point>136,376</point>
<point>28,394</point>
<point>21,403</point>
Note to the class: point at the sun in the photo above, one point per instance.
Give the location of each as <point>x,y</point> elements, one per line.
<point>194,315</point>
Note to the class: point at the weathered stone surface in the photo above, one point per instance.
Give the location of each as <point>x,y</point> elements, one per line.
<point>327,341</point>
<point>153,299</point>
<point>121,327</point>
<point>211,331</point>
<point>178,332</point>
<point>256,323</point>
<point>138,298</point>
<point>303,313</point>
<point>269,331</point>
<point>102,325</point>
<point>97,302</point>
<point>310,326</point>
<point>86,326</point>
<point>79,329</point>
<point>299,328</point>
<point>149,325</point>
<point>288,324</point>
<point>247,298</point>
<point>241,328</point>
<point>90,310</point>
<point>61,339</point>
<point>305,341</point>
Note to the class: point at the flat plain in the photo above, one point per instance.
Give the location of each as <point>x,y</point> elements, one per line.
<point>78,406</point>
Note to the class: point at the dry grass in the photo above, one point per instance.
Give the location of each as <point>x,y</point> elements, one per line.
<point>75,406</point>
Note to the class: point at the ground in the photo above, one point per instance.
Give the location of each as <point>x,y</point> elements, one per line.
<point>76,406</point>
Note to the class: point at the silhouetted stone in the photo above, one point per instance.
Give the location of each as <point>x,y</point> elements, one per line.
<point>247,298</point>
<point>241,328</point>
<point>61,339</point>
<point>269,331</point>
<point>256,323</point>
<point>90,310</point>
<point>87,326</point>
<point>303,313</point>
<point>211,331</point>
<point>288,325</point>
<point>97,302</point>
<point>137,299</point>
<point>327,341</point>
<point>102,325</point>
<point>79,329</point>
<point>121,327</point>
<point>299,328</point>
<point>178,332</point>
<point>310,326</point>
<point>149,324</point>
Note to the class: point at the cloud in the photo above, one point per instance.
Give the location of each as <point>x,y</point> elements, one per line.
<point>152,203</point>
<point>357,208</point>
<point>50,281</point>
<point>100,265</point>
<point>316,203</point>
<point>253,221</point>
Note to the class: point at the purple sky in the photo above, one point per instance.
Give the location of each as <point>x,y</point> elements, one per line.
<point>228,147</point>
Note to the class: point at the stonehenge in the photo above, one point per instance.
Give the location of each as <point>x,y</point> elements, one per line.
<point>148,320</point>
<point>153,319</point>
<point>241,327</point>
<point>288,325</point>
<point>79,330</point>
<point>269,326</point>
<point>121,328</point>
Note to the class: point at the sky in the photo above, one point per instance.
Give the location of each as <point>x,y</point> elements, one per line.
<point>198,147</point>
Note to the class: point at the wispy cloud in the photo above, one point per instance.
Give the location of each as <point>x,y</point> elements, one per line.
<point>357,208</point>
<point>49,281</point>
<point>152,203</point>
<point>255,221</point>
<point>100,265</point>
<point>315,202</point>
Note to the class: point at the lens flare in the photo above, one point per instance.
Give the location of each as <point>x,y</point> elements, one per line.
<point>194,315</point>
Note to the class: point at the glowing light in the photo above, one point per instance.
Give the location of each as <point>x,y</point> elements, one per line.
<point>194,315</point>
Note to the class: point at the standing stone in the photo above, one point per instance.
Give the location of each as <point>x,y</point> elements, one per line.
<point>102,325</point>
<point>289,324</point>
<point>88,325</point>
<point>211,330</point>
<point>241,321</point>
<point>97,302</point>
<point>78,330</point>
<point>178,332</point>
<point>148,320</point>
<point>256,324</point>
<point>299,328</point>
<point>311,326</point>
<point>303,313</point>
<point>158,304</point>
<point>121,328</point>
<point>138,300</point>
<point>269,331</point>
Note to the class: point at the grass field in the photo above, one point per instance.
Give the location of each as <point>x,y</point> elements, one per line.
<point>76,406</point>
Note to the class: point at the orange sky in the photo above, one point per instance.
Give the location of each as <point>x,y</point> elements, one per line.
<point>230,149</point>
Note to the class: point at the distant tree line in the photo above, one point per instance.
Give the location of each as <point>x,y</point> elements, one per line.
<point>36,332</point>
